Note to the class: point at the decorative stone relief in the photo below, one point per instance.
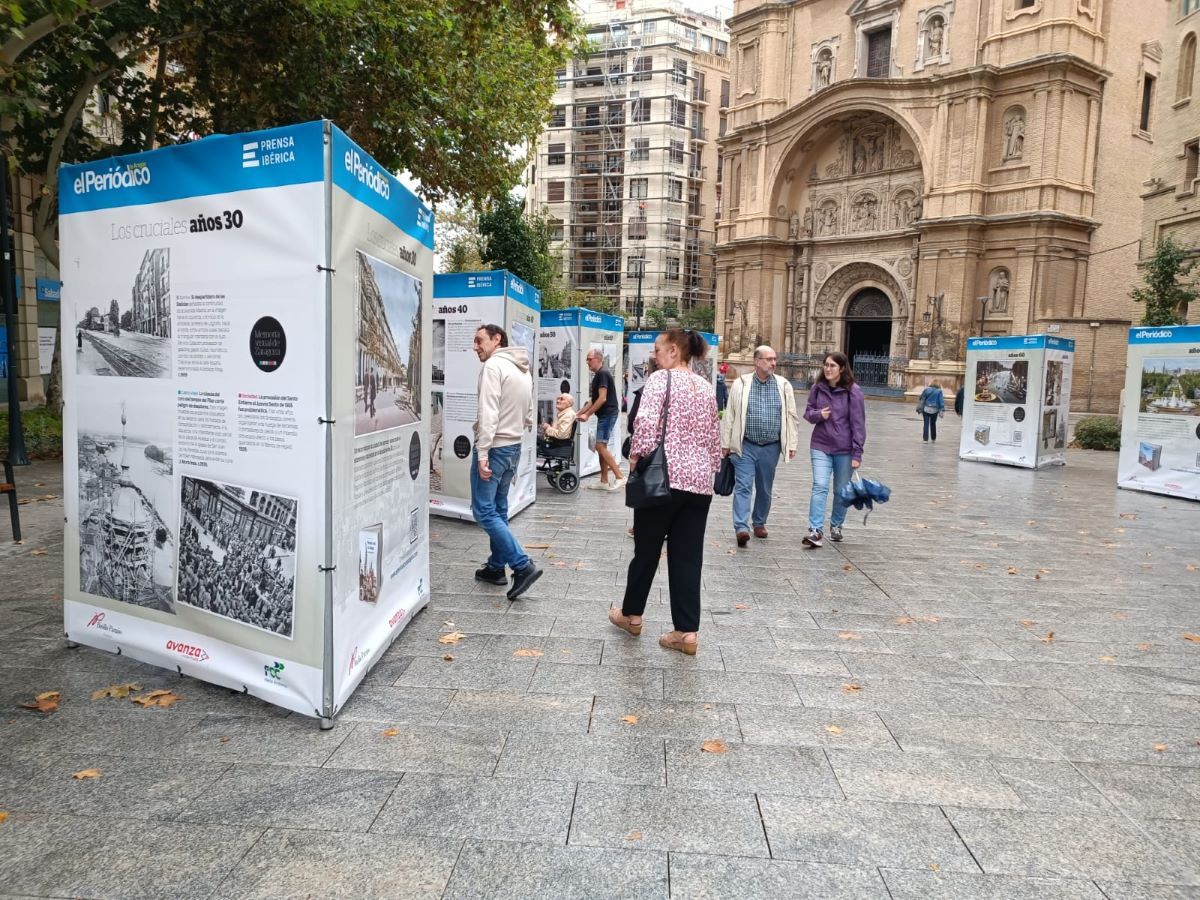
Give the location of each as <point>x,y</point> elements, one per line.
<point>820,272</point>
<point>870,146</point>
<point>854,275</point>
<point>827,218</point>
<point>1014,134</point>
<point>904,266</point>
<point>999,290</point>
<point>906,209</point>
<point>866,213</point>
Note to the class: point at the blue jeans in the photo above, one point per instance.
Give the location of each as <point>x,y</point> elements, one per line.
<point>826,464</point>
<point>754,471</point>
<point>489,505</point>
<point>930,429</point>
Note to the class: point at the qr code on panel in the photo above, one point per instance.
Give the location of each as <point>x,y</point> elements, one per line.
<point>1018,436</point>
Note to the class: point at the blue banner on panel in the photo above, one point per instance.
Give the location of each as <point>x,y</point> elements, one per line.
<point>1057,343</point>
<point>642,337</point>
<point>1168,334</point>
<point>1010,342</point>
<point>360,176</point>
<point>590,319</point>
<point>522,291</point>
<point>221,164</point>
<point>489,283</point>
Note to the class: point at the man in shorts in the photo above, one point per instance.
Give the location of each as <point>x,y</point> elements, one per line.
<point>605,407</point>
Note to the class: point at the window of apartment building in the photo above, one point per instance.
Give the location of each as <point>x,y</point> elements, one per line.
<point>558,119</point>
<point>637,266</point>
<point>560,77</point>
<point>679,70</point>
<point>1187,68</point>
<point>706,43</point>
<point>637,228</point>
<point>1144,118</point>
<point>616,114</point>
<point>697,123</point>
<point>638,188</point>
<point>675,189</point>
<point>556,230</point>
<point>650,27</point>
<point>677,151</point>
<point>639,110</point>
<point>641,150</point>
<point>642,66</point>
<point>672,268</point>
<point>673,229</point>
<point>1026,4</point>
<point>1191,164</point>
<point>689,34</point>
<point>722,48</point>
<point>724,91</point>
<point>591,115</point>
<point>616,72</point>
<point>556,155</point>
<point>698,89</point>
<point>678,112</point>
<point>556,191</point>
<point>722,124</point>
<point>879,53</point>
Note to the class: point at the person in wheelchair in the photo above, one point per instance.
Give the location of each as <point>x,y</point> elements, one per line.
<point>561,432</point>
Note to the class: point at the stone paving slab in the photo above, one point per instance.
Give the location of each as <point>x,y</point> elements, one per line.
<point>1148,792</point>
<point>541,712</point>
<point>597,681</point>
<point>617,759</point>
<point>666,719</point>
<point>967,736</point>
<point>697,876</point>
<point>916,778</point>
<point>751,768</point>
<point>1049,786</point>
<point>814,727</point>
<point>420,748</point>
<point>913,885</point>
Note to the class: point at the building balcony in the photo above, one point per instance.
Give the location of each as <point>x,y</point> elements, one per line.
<point>698,172</point>
<point>701,96</point>
<point>700,135</point>
<point>696,211</point>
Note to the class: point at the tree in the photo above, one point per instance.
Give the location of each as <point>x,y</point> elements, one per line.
<point>701,317</point>
<point>511,240</point>
<point>1165,295</point>
<point>456,228</point>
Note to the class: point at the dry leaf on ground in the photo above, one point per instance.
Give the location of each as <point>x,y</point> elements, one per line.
<point>1192,568</point>
<point>224,739</point>
<point>1128,515</point>
<point>850,635</point>
<point>3,816</point>
<point>847,568</point>
<point>634,836</point>
<point>1161,748</point>
<point>449,657</point>
<point>157,699</point>
<point>904,620</point>
<point>834,729</point>
<point>918,525</point>
<point>116,691</point>
<point>1108,659</point>
<point>537,546</point>
<point>1013,570</point>
<point>527,651</point>
<point>714,747</point>
<point>1188,636</point>
<point>452,638</point>
<point>981,565</point>
<point>86,773</point>
<point>1028,623</point>
<point>741,606</point>
<point>932,619</point>
<point>629,720</point>
<point>37,552</point>
<point>390,732</point>
<point>935,867</point>
<point>851,688</point>
<point>45,702</point>
<point>1144,646</point>
<point>1049,638</point>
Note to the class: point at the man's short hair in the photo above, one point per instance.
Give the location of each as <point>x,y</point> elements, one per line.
<point>494,330</point>
<point>570,400</point>
<point>758,351</point>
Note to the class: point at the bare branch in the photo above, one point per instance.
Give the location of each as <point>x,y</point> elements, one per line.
<point>46,25</point>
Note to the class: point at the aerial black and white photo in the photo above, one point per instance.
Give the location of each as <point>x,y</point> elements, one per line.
<point>129,335</point>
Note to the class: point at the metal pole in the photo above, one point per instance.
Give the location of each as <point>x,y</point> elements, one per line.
<point>1092,365</point>
<point>641,273</point>
<point>983,302</point>
<point>8,284</point>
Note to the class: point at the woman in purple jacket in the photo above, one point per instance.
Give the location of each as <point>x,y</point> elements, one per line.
<point>836,408</point>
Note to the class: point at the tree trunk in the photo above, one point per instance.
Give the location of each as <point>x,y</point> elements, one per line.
<point>54,394</point>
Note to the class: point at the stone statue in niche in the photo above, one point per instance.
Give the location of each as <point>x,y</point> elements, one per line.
<point>866,213</point>
<point>868,154</point>
<point>906,208</point>
<point>876,144</point>
<point>794,225</point>
<point>860,158</point>
<point>808,222</point>
<point>824,69</point>
<point>1014,135</point>
<point>1000,291</point>
<point>937,33</point>
<point>828,222</point>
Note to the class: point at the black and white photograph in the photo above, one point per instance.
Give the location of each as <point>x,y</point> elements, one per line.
<point>370,563</point>
<point>387,379</point>
<point>521,335</point>
<point>437,411</point>
<point>1054,382</point>
<point>439,351</point>
<point>556,356</point>
<point>703,367</point>
<point>129,334</point>
<point>237,554</point>
<point>126,504</point>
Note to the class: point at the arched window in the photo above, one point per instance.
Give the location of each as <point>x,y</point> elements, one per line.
<point>1187,67</point>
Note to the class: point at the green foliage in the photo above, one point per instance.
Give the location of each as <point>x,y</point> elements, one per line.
<point>1165,295</point>
<point>511,240</point>
<point>43,433</point>
<point>1098,433</point>
<point>700,318</point>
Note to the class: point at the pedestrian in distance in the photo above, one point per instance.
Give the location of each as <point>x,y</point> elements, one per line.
<point>505,413</point>
<point>722,387</point>
<point>932,406</point>
<point>758,429</point>
<point>959,398</point>
<point>839,413</point>
<point>605,407</point>
<point>692,443</point>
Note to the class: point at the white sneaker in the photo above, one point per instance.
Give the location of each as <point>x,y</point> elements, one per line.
<point>617,485</point>
<point>598,486</point>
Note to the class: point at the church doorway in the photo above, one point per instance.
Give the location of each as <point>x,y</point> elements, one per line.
<point>869,337</point>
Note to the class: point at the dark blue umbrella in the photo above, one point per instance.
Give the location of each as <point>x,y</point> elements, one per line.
<point>863,494</point>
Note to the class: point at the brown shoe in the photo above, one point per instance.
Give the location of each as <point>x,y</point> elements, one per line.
<point>743,538</point>
<point>624,622</point>
<point>673,640</point>
<point>760,531</point>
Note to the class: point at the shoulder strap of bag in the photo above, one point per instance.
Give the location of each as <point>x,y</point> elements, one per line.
<point>662,429</point>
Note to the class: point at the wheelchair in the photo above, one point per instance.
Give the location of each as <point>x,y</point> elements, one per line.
<point>557,458</point>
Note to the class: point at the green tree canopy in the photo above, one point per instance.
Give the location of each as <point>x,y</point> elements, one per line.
<point>511,240</point>
<point>1164,293</point>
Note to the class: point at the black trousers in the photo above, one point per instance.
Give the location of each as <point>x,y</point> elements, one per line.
<point>680,522</point>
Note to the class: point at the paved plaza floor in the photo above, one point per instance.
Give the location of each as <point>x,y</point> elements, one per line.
<point>992,690</point>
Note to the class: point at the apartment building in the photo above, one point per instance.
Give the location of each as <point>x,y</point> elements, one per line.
<point>627,168</point>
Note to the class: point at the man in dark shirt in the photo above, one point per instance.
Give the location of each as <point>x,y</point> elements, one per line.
<point>605,407</point>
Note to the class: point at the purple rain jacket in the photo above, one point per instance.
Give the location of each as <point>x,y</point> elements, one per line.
<point>845,431</point>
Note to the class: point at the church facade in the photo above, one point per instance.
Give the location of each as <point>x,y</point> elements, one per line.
<point>902,174</point>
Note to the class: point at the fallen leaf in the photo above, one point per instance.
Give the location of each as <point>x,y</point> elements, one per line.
<point>847,568</point>
<point>1037,576</point>
<point>935,867</point>
<point>86,773</point>
<point>918,525</point>
<point>46,702</point>
<point>850,635</point>
<point>160,699</point>
<point>1128,515</point>
<point>449,657</point>
<point>714,747</point>
<point>1108,659</point>
<point>527,651</point>
<point>634,836</point>
<point>851,688</point>
<point>708,706</point>
<point>1144,646</point>
<point>1013,570</point>
<point>37,552</point>
<point>224,739</point>
<point>3,816</point>
<point>1161,748</point>
<point>904,620</point>
<point>1031,522</point>
<point>630,720</point>
<point>390,732</point>
<point>39,484</point>
<point>834,729</point>
<point>1120,615</point>
<point>452,638</point>
<point>1049,638</point>
<point>116,691</point>
<point>1188,636</point>
<point>1028,623</point>
<point>933,619</point>
<point>741,606</point>
<point>537,546</point>
<point>1192,568</point>
<point>980,565</point>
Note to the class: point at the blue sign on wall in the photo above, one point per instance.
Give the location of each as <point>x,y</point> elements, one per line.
<point>49,290</point>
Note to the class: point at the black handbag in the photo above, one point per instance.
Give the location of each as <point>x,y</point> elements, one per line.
<point>725,479</point>
<point>648,484</point>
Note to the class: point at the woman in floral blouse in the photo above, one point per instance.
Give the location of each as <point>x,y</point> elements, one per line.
<point>693,448</point>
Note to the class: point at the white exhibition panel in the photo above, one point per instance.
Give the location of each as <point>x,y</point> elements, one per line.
<point>200,428</point>
<point>1160,429</point>
<point>1017,400</point>
<point>566,338</point>
<point>640,347</point>
<point>462,302</point>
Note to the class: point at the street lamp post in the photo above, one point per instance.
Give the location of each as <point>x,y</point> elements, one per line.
<point>8,288</point>
<point>934,302</point>
<point>983,302</point>
<point>641,273</point>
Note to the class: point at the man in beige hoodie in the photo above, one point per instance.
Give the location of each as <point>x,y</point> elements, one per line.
<point>505,413</point>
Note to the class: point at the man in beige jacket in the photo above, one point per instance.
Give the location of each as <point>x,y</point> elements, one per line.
<point>759,427</point>
<point>505,413</point>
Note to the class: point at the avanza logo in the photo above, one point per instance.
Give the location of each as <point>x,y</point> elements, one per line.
<point>199,654</point>
<point>396,617</point>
